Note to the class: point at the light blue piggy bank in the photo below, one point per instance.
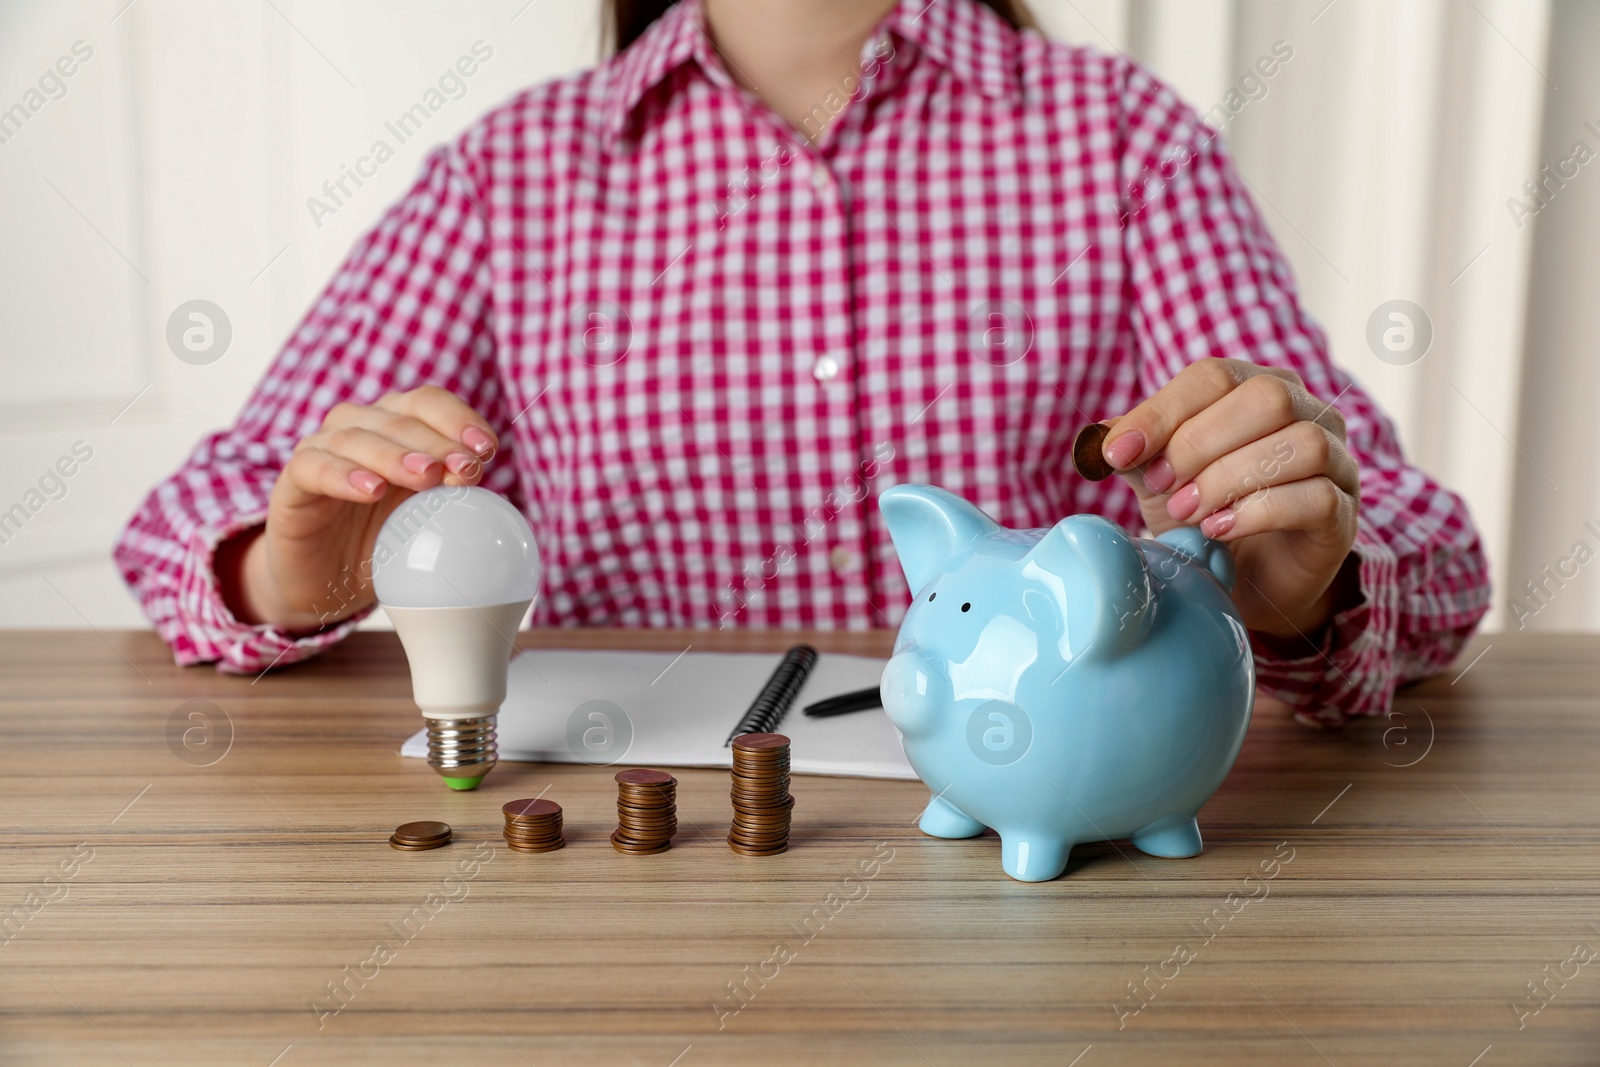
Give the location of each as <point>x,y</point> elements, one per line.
<point>1064,685</point>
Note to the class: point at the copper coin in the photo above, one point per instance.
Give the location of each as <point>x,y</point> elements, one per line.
<point>409,843</point>
<point>409,846</point>
<point>637,849</point>
<point>645,776</point>
<point>759,831</point>
<point>760,742</point>
<point>540,848</point>
<point>757,852</point>
<point>532,808</point>
<point>1088,452</point>
<point>422,831</point>
<point>777,807</point>
<point>778,803</point>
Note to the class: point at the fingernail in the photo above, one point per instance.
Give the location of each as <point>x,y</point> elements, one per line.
<point>367,482</point>
<point>1218,523</point>
<point>477,440</point>
<point>1159,475</point>
<point>463,464</point>
<point>1184,501</point>
<point>417,462</point>
<point>1125,449</point>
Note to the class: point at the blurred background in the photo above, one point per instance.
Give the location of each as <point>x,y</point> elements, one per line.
<point>1440,153</point>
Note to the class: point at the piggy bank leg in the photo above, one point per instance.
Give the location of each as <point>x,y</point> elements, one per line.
<point>1174,837</point>
<point>1033,859</point>
<point>943,819</point>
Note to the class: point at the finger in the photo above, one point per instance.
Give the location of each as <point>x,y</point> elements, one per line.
<point>1302,450</point>
<point>1313,505</point>
<point>1259,407</point>
<point>393,461</point>
<point>390,460</point>
<point>312,474</point>
<point>415,434</point>
<point>1143,432</point>
<point>449,415</point>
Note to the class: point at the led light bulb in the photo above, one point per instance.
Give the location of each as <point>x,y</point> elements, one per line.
<point>456,568</point>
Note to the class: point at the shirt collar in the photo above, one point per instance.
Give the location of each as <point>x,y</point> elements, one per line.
<point>963,36</point>
<point>666,44</point>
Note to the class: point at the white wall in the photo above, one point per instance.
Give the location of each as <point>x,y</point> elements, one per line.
<point>178,164</point>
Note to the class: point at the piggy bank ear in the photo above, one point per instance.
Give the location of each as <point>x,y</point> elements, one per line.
<point>930,526</point>
<point>1103,580</point>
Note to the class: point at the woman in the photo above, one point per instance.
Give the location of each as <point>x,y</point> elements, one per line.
<point>692,310</point>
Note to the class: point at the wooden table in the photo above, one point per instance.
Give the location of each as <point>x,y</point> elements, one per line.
<point>1394,889</point>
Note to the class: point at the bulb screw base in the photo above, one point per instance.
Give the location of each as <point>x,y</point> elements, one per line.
<point>462,750</point>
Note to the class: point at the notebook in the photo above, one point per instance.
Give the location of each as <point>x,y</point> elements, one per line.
<point>672,709</point>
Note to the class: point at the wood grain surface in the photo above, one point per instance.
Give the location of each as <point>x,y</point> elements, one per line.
<point>1381,895</point>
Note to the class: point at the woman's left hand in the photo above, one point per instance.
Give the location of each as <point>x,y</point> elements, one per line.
<point>1250,457</point>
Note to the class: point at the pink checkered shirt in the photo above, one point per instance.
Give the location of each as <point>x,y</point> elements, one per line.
<point>708,343</point>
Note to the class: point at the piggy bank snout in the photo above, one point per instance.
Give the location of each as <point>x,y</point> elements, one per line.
<point>914,691</point>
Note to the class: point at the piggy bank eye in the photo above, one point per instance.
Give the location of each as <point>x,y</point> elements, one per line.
<point>966,607</point>
<point>932,595</point>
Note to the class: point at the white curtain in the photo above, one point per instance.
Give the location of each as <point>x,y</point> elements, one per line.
<point>1383,154</point>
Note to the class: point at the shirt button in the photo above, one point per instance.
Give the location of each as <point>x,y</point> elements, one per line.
<point>841,558</point>
<point>821,180</point>
<point>825,369</point>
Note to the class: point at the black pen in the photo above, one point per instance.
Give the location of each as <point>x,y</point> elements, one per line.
<point>860,700</point>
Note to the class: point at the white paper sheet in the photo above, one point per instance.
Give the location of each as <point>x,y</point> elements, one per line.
<point>671,710</point>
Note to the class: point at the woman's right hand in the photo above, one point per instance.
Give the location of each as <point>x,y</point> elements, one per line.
<point>307,567</point>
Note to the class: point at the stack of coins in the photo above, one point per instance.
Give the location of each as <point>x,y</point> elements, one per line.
<point>533,825</point>
<point>647,812</point>
<point>761,800</point>
<point>420,836</point>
